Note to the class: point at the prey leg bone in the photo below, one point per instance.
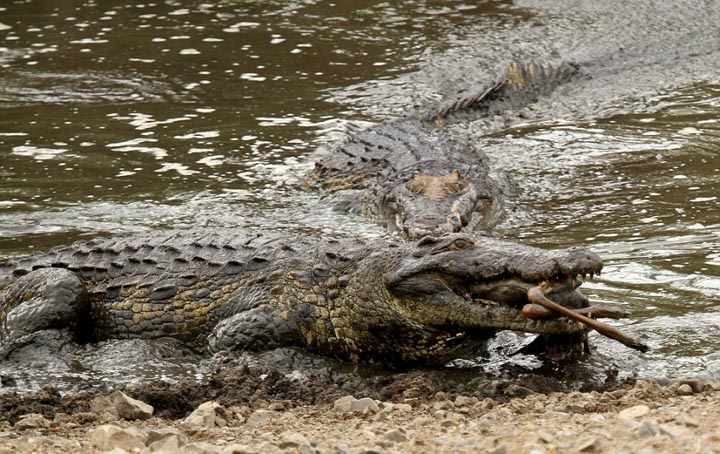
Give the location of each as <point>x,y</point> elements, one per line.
<point>536,295</point>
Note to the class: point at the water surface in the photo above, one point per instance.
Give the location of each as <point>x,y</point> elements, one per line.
<point>121,117</point>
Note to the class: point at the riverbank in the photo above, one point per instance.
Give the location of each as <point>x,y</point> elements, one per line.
<point>639,417</point>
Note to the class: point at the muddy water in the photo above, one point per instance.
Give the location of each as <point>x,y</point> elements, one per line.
<point>121,117</point>
<point>642,190</point>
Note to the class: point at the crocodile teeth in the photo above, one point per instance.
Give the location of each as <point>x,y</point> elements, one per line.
<point>577,282</point>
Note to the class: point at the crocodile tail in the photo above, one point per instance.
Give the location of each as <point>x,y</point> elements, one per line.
<point>521,84</point>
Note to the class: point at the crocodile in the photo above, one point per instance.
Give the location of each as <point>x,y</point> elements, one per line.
<point>383,300</point>
<point>411,176</point>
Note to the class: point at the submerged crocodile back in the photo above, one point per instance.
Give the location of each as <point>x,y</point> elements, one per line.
<point>521,84</point>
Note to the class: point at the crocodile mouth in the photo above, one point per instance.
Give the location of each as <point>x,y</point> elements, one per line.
<point>513,293</point>
<point>550,300</point>
<point>460,284</point>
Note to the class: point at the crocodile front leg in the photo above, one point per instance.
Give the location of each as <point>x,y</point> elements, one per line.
<point>256,329</point>
<point>46,298</point>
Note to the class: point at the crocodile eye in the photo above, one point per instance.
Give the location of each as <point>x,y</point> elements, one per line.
<point>461,243</point>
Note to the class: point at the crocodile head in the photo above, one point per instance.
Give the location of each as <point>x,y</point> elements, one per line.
<point>432,198</point>
<point>454,291</point>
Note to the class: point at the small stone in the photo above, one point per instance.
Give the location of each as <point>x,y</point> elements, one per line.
<point>592,445</point>
<point>207,415</point>
<point>687,420</point>
<point>447,423</point>
<point>697,385</point>
<point>238,449</point>
<point>32,421</point>
<point>161,434</point>
<point>485,404</point>
<point>420,422</point>
<point>515,390</point>
<point>129,408</point>
<point>546,437</point>
<point>267,448</point>
<point>166,445</point>
<point>444,405</point>
<point>684,390</point>
<point>462,401</point>
<point>306,449</point>
<point>646,429</point>
<point>108,438</point>
<point>200,448</point>
<point>349,404</point>
<point>290,439</point>
<point>365,405</point>
<point>396,435</point>
<point>260,416</point>
<point>276,406</point>
<point>673,430</point>
<point>488,444</point>
<point>634,412</point>
<point>343,404</point>
<point>102,405</point>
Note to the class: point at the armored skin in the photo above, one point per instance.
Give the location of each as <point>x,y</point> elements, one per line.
<point>372,300</point>
<point>411,176</point>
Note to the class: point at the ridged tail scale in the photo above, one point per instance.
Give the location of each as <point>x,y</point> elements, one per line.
<point>521,84</point>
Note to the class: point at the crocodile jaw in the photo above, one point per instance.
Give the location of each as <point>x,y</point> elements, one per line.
<point>470,307</point>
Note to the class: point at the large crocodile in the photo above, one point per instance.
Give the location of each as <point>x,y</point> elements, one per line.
<point>375,300</point>
<point>410,175</point>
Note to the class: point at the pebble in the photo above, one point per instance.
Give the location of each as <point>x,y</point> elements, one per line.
<point>101,405</point>
<point>207,415</point>
<point>32,421</point>
<point>687,420</point>
<point>166,445</point>
<point>349,404</point>
<point>444,405</point>
<point>396,435</point>
<point>290,439</point>
<point>515,390</point>
<point>420,422</point>
<point>129,408</point>
<point>388,407</point>
<point>634,412</point>
<point>108,438</point>
<point>646,429</point>
<point>546,437</point>
<point>592,445</point>
<point>200,448</point>
<point>684,390</point>
<point>155,435</point>
<point>696,385</point>
<point>260,416</point>
<point>462,401</point>
<point>674,430</point>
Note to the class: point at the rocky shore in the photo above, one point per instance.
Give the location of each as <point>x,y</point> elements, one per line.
<point>642,417</point>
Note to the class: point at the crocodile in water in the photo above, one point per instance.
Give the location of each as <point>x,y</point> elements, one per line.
<point>410,175</point>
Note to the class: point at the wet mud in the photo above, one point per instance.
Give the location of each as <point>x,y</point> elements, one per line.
<point>256,386</point>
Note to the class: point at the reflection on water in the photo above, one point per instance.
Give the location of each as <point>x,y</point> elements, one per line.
<point>115,116</point>
<point>119,118</point>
